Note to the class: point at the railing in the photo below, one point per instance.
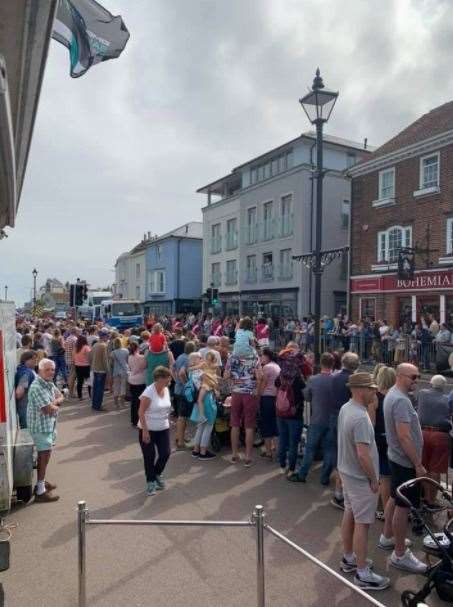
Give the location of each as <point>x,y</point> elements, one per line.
<point>216,279</point>
<point>251,234</point>
<point>216,245</point>
<point>267,273</point>
<point>251,275</point>
<point>231,241</point>
<point>231,277</point>
<point>256,521</point>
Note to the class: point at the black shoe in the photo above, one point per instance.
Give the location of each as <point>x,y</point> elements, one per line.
<point>195,453</point>
<point>207,455</point>
<point>337,502</point>
<point>295,478</point>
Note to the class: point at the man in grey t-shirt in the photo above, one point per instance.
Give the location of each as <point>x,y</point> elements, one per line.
<point>405,445</point>
<point>358,465</point>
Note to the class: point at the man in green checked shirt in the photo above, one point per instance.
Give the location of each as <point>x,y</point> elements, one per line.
<point>44,400</point>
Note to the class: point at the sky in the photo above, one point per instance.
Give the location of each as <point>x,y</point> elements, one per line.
<point>201,87</point>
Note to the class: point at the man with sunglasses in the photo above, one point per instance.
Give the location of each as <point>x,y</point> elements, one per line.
<point>405,446</point>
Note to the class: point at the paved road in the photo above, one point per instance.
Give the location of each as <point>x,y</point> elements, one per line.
<point>98,459</point>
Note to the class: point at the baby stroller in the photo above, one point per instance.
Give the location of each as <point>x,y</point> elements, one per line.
<point>440,545</point>
<point>221,432</point>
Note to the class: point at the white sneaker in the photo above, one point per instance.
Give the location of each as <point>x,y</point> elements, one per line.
<point>408,562</point>
<point>388,543</point>
<point>371,581</point>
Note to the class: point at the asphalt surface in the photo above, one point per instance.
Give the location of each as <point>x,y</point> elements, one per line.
<point>97,459</point>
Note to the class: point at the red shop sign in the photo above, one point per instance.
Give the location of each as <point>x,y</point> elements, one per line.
<point>423,281</point>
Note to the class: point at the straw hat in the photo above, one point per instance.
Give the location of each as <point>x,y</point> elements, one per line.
<point>361,380</point>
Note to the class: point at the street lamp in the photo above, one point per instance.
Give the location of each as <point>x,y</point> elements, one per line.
<point>6,292</point>
<point>318,105</point>
<point>35,274</point>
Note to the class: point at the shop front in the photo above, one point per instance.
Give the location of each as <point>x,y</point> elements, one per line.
<point>399,301</point>
<point>276,304</point>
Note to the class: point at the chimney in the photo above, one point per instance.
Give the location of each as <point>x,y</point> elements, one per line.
<point>187,228</point>
<point>144,237</point>
<point>365,143</point>
<point>149,235</point>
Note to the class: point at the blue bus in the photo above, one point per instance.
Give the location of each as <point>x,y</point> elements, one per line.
<point>122,313</point>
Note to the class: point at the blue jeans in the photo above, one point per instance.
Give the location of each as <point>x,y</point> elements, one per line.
<point>97,394</point>
<point>317,434</point>
<point>22,415</point>
<point>60,368</point>
<point>289,433</point>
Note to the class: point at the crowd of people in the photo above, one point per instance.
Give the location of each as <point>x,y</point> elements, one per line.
<point>373,431</point>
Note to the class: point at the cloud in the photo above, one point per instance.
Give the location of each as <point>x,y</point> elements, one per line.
<point>202,87</point>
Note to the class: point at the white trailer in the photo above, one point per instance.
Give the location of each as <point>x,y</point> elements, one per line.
<point>16,445</point>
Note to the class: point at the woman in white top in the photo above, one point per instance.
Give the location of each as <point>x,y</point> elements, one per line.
<point>154,429</point>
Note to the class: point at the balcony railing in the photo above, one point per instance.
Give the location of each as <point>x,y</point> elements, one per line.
<point>251,275</point>
<point>267,272</point>
<point>231,277</point>
<point>216,245</point>
<point>231,241</point>
<point>286,227</point>
<point>216,279</point>
<point>268,229</point>
<point>251,233</point>
<point>285,272</point>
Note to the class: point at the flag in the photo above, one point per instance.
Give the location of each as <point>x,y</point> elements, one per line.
<point>90,32</point>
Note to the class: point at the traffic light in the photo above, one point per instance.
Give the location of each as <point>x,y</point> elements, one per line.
<point>72,296</point>
<point>209,291</point>
<point>215,297</point>
<point>84,290</point>
<point>77,294</point>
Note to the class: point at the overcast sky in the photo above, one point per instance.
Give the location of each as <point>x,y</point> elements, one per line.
<point>201,87</point>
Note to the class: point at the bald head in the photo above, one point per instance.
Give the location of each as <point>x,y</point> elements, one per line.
<point>406,377</point>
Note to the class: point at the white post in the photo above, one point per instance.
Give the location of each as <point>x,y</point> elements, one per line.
<point>414,308</point>
<point>442,308</point>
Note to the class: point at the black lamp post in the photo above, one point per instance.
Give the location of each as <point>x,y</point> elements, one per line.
<point>35,274</point>
<point>318,105</point>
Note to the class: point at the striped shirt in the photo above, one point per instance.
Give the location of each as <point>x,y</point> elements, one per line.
<point>41,394</point>
<point>69,348</point>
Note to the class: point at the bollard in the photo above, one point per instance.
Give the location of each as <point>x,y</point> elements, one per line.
<point>82,514</point>
<point>258,517</point>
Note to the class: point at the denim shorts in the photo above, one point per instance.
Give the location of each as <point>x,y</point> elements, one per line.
<point>44,441</point>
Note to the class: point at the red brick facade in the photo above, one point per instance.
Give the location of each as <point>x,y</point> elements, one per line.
<point>418,212</point>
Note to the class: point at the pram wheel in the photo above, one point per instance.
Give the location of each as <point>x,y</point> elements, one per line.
<point>216,445</point>
<point>408,599</point>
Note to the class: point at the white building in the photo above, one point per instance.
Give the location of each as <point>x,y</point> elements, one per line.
<point>130,272</point>
<point>262,214</point>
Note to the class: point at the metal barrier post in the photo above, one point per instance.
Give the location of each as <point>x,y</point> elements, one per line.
<point>82,514</point>
<point>258,517</point>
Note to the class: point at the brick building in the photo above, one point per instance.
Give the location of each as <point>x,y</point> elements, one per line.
<point>402,196</point>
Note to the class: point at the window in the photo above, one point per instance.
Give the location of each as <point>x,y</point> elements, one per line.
<point>450,236</point>
<point>351,159</point>
<point>216,238</point>
<point>429,171</point>
<point>387,184</point>
<point>157,281</point>
<point>272,167</point>
<point>286,264</point>
<point>268,267</point>
<point>345,213</point>
<point>268,231</point>
<point>251,235</point>
<point>390,241</point>
<point>158,252</point>
<point>250,274</point>
<point>232,234</point>
<point>254,175</point>
<point>137,293</point>
<point>231,272</point>
<point>368,308</point>
<point>216,277</point>
<point>137,270</point>
<point>286,219</point>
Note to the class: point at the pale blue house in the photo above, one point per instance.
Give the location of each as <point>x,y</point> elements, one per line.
<point>174,271</point>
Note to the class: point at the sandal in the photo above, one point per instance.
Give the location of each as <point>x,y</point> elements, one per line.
<point>235,459</point>
<point>248,463</point>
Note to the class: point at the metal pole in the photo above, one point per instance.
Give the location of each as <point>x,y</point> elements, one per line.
<point>317,269</point>
<point>82,514</point>
<point>258,517</point>
<point>6,292</point>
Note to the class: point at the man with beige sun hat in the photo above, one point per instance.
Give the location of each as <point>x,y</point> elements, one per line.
<point>358,466</point>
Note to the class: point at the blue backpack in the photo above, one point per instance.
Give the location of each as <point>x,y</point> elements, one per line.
<point>190,391</point>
